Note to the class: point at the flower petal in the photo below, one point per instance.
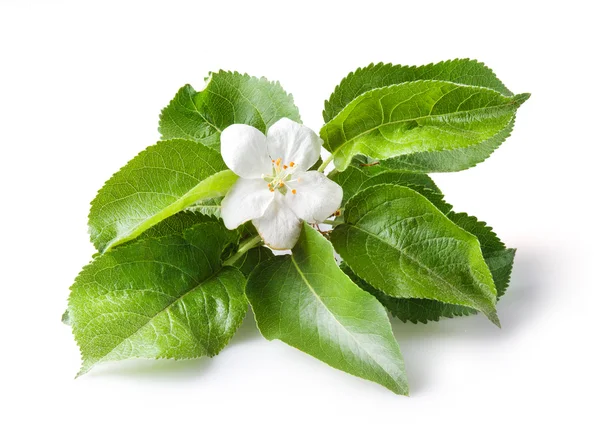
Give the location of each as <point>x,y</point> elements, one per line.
<point>279,227</point>
<point>313,196</point>
<point>293,142</point>
<point>244,150</point>
<point>246,200</point>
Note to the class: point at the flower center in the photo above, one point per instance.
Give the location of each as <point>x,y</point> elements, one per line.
<point>280,177</point>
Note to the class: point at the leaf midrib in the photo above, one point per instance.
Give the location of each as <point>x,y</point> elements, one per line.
<point>310,287</point>
<point>170,209</point>
<point>84,369</point>
<point>334,152</point>
<point>411,258</point>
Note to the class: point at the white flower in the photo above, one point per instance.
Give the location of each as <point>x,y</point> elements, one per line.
<point>275,190</point>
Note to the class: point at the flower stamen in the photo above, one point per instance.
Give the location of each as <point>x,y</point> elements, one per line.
<point>280,177</point>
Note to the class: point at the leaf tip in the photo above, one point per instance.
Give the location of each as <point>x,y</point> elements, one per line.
<point>493,316</point>
<point>81,372</point>
<point>66,318</point>
<point>521,98</point>
<point>402,389</point>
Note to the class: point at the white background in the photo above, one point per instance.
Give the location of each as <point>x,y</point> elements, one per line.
<point>81,87</point>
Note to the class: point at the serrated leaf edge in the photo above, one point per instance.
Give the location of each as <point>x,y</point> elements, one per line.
<point>84,369</point>
<point>516,102</point>
<point>383,65</point>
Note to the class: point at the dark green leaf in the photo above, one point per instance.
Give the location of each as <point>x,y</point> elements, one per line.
<point>411,309</point>
<point>228,98</point>
<point>305,300</point>
<point>251,259</point>
<point>498,258</point>
<point>176,224</point>
<point>401,244</point>
<point>355,178</point>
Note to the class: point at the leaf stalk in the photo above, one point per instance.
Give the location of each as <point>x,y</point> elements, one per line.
<point>246,245</point>
<point>326,162</point>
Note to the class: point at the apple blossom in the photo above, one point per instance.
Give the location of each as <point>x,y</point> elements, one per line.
<point>275,190</point>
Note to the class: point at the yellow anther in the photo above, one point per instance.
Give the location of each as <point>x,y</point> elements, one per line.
<point>294,191</point>
<point>292,164</point>
<point>285,167</point>
<point>280,184</point>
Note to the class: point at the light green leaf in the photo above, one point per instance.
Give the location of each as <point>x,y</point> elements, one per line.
<point>450,160</point>
<point>419,116</point>
<point>375,76</point>
<point>210,207</point>
<point>161,181</point>
<point>401,244</point>
<point>228,98</point>
<point>306,301</point>
<point>158,298</point>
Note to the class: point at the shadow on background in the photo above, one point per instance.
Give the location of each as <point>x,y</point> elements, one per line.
<point>168,369</point>
<point>519,304</point>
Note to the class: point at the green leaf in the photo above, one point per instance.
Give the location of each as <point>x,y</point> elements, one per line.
<point>209,207</point>
<point>66,319</point>
<point>305,300</point>
<point>161,181</point>
<point>420,116</point>
<point>401,244</point>
<point>163,297</point>
<point>355,178</point>
<point>419,310</point>
<point>176,224</point>
<point>374,76</point>
<point>451,160</point>
<point>228,98</point>
<point>411,309</point>
<point>251,259</point>
<point>498,258</point>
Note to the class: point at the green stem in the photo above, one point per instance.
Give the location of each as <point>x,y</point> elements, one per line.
<point>332,222</point>
<point>321,169</point>
<point>250,243</point>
